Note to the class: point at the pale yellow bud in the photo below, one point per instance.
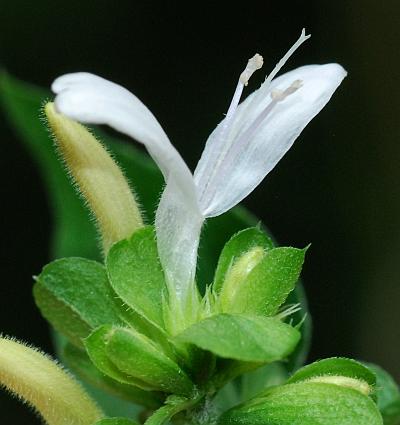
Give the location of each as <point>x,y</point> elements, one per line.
<point>344,381</point>
<point>98,178</point>
<point>237,275</point>
<point>38,380</point>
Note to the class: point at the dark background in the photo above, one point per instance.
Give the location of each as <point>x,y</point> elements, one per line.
<point>337,187</point>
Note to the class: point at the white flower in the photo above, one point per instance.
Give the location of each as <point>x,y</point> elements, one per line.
<point>239,153</point>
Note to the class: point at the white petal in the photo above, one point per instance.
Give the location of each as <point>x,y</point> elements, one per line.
<point>91,99</point>
<point>247,160</point>
<point>178,224</point>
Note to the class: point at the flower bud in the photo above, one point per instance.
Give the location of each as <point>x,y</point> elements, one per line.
<point>237,274</point>
<point>35,378</point>
<point>98,178</point>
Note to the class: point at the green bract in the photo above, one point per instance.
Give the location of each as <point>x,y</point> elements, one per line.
<point>306,404</point>
<point>137,356</point>
<point>74,295</point>
<point>240,244</point>
<point>250,339</point>
<point>263,287</point>
<point>96,347</point>
<point>136,276</point>
<point>116,313</point>
<point>331,391</point>
<point>80,363</point>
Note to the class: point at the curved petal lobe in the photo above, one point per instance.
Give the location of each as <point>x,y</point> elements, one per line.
<point>254,146</point>
<point>91,99</point>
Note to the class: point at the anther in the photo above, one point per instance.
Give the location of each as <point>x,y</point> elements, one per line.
<point>279,95</point>
<point>256,62</point>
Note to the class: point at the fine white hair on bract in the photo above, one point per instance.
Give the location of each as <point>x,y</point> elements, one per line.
<point>239,153</point>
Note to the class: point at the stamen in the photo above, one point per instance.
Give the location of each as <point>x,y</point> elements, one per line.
<point>279,95</point>
<point>229,150</point>
<point>276,96</point>
<point>254,63</point>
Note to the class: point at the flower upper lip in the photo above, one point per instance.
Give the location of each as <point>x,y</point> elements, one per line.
<point>238,154</point>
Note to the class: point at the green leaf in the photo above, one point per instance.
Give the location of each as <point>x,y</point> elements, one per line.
<point>77,360</point>
<point>268,284</point>
<point>95,345</point>
<point>306,403</point>
<point>239,244</point>
<point>137,356</point>
<point>116,421</point>
<point>388,395</point>
<point>250,339</point>
<point>136,275</point>
<point>335,366</point>
<point>74,295</point>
